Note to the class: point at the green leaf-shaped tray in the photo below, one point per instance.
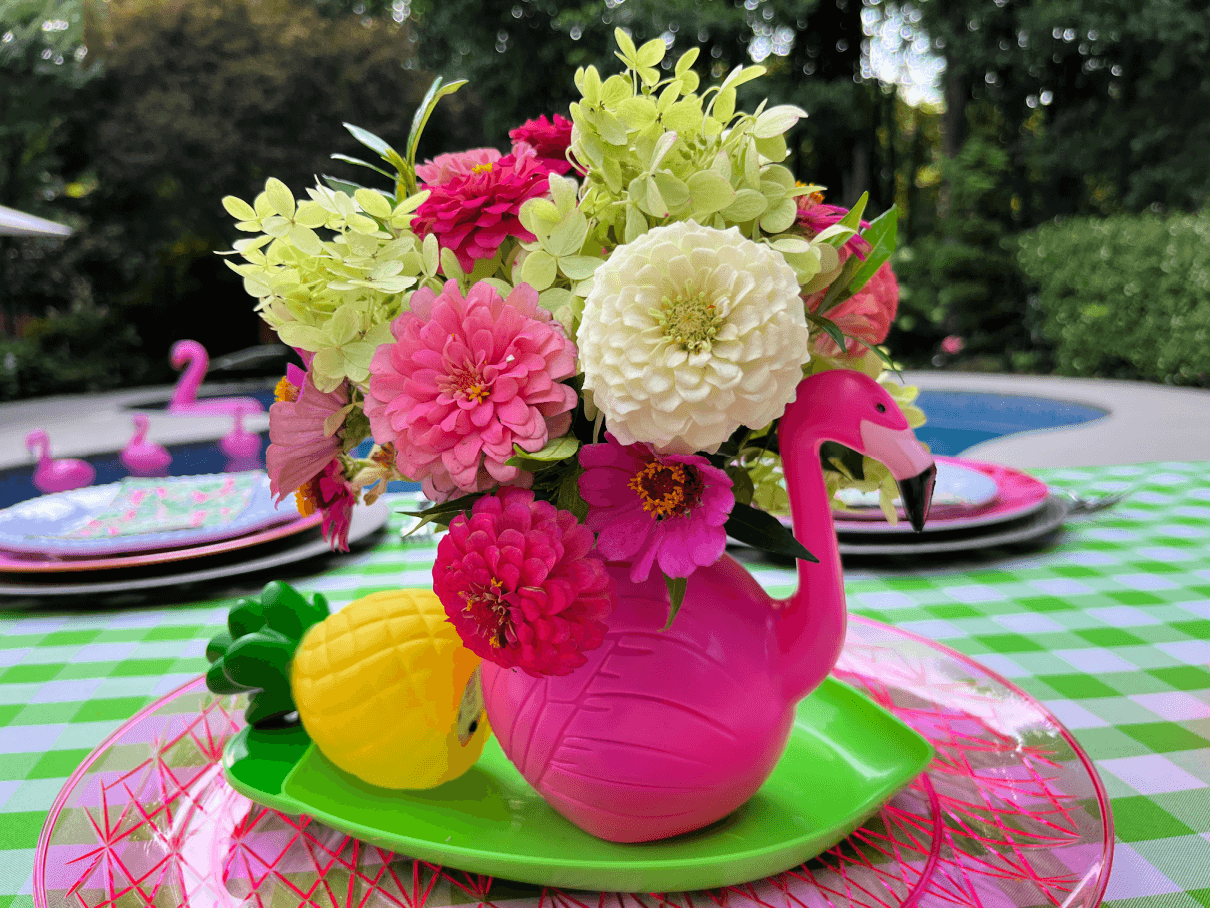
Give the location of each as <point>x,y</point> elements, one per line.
<point>846,757</point>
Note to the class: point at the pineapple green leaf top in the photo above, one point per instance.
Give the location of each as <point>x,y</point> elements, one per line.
<point>254,653</point>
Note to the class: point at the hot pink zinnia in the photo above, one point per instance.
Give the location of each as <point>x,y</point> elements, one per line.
<point>546,140</point>
<point>473,213</point>
<point>445,167</point>
<point>521,584</point>
<point>465,380</point>
<point>651,508</point>
<point>865,317</point>
<point>298,448</point>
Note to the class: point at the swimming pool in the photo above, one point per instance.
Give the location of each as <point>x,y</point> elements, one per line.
<point>956,421</point>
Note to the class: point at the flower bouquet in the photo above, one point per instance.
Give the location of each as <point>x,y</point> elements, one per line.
<point>582,349</point>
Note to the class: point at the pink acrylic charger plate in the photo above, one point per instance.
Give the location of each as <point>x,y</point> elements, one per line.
<point>1010,814</point>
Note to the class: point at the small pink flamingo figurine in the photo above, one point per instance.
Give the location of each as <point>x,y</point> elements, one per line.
<point>240,444</point>
<point>57,475</point>
<point>142,457</point>
<point>184,397</point>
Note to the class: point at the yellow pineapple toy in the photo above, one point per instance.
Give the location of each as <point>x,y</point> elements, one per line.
<point>384,687</point>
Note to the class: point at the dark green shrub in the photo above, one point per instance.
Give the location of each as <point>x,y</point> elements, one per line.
<point>1125,297</point>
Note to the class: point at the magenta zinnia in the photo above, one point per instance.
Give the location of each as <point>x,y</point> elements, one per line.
<point>472,214</point>
<point>445,167</point>
<point>865,317</point>
<point>547,141</point>
<point>521,584</point>
<point>648,508</point>
<point>332,494</point>
<point>464,381</point>
<point>814,217</point>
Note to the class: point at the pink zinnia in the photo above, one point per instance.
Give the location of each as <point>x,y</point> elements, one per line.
<point>547,141</point>
<point>472,214</point>
<point>464,381</point>
<point>814,217</point>
<point>649,508</point>
<point>865,317</point>
<point>445,167</point>
<point>521,584</point>
<point>298,448</point>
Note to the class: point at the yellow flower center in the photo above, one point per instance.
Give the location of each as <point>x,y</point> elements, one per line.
<point>285,391</point>
<point>488,610</point>
<point>667,489</point>
<point>307,497</point>
<point>482,168</point>
<point>689,321</point>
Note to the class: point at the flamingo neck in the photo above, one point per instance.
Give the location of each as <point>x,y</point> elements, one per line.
<point>196,363</point>
<point>812,628</point>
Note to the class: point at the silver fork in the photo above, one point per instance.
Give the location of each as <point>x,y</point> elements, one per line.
<point>1086,504</point>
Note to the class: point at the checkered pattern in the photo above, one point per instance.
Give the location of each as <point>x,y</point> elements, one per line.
<point>1110,629</point>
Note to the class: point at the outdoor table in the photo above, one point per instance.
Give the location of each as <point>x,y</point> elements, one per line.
<point>1109,628</point>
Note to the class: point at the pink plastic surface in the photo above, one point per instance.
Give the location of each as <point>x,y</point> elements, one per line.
<point>239,443</point>
<point>57,475</point>
<point>724,680</point>
<point>142,457</point>
<point>1010,814</point>
<point>184,400</point>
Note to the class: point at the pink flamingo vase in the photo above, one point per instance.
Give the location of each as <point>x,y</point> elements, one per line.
<point>56,475</point>
<point>192,356</point>
<point>239,444</point>
<point>664,732</point>
<point>141,457</point>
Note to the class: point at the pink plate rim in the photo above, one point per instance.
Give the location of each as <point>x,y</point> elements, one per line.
<point>1103,800</point>
<point>10,565</point>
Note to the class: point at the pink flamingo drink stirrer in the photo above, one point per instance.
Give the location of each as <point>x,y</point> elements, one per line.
<point>142,457</point>
<point>193,357</point>
<point>57,475</point>
<point>239,444</point>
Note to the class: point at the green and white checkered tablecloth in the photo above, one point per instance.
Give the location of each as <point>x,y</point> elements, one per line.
<point>1110,629</point>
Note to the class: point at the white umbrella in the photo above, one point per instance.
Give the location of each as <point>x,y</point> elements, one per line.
<point>17,223</point>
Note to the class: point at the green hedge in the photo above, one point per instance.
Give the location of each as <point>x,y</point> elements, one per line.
<point>1125,297</point>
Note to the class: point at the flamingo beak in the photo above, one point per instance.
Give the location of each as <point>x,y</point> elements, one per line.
<point>916,493</point>
<point>909,462</point>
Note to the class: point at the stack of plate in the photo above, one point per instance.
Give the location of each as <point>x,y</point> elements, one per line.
<point>143,533</point>
<point>975,505</point>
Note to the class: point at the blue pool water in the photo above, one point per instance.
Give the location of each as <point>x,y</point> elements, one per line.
<point>959,419</point>
<point>956,421</point>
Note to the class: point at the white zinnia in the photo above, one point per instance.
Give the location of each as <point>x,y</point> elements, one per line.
<point>690,332</point>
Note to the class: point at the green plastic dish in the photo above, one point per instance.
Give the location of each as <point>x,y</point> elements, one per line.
<point>846,757</point>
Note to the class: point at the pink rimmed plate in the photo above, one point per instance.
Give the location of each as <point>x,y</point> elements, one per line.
<point>1018,495</point>
<point>1010,814</point>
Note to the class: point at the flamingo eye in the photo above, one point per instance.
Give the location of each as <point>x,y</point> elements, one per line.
<point>881,408</point>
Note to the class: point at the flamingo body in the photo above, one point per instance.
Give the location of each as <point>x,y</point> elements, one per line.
<point>192,356</point>
<point>142,457</point>
<point>664,732</point>
<point>57,475</point>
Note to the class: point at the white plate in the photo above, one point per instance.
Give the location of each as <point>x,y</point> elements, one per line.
<point>1036,525</point>
<point>366,521</point>
<point>58,524</point>
<point>957,486</point>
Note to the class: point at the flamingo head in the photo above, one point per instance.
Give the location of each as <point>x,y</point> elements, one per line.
<point>853,409</point>
<point>183,352</point>
<point>36,440</point>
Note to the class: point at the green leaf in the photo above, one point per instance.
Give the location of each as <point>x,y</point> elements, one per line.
<point>360,163</point>
<point>710,191</point>
<point>339,185</point>
<point>762,530</point>
<point>852,220</point>
<point>552,452</point>
<point>881,235</point>
<point>538,270</point>
<point>369,140</point>
<point>238,208</point>
<point>438,512</point>
<point>676,595</point>
<point>831,329</point>
<point>436,92</point>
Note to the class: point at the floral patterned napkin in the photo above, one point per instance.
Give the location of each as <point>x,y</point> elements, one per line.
<point>154,505</point>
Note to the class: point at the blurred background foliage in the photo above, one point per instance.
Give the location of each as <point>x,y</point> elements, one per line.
<point>131,119</point>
